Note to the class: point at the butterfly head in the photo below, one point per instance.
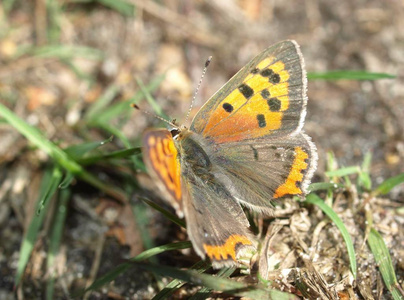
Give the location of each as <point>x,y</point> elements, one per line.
<point>178,132</point>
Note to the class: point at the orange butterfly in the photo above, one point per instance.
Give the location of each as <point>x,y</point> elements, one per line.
<point>245,148</point>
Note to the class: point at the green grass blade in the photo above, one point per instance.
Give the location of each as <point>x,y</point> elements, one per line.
<point>204,292</point>
<point>318,186</point>
<point>111,275</point>
<point>173,218</point>
<point>176,284</point>
<point>55,238</point>
<point>390,183</point>
<point>113,155</point>
<point>92,114</point>
<point>364,176</point>
<point>123,109</point>
<point>160,249</point>
<point>77,71</point>
<point>78,151</point>
<point>348,75</point>
<point>383,260</point>
<point>227,286</point>
<point>114,110</point>
<point>140,214</point>
<point>123,7</point>
<point>58,155</point>
<point>156,107</point>
<point>55,17</point>
<point>314,199</point>
<point>120,135</point>
<point>7,6</point>
<point>343,171</point>
<point>65,52</point>
<point>49,184</point>
<point>66,181</point>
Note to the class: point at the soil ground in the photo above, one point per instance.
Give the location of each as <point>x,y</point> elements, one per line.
<point>174,37</point>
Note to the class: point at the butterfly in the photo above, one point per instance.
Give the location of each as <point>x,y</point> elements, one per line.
<point>245,148</point>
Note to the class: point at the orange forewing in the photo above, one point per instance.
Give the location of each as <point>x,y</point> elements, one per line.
<point>254,111</point>
<point>161,156</point>
<point>267,97</point>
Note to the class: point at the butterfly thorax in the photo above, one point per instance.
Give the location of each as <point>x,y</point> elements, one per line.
<point>191,154</point>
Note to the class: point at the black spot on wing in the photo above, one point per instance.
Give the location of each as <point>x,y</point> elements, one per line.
<point>265,94</point>
<point>274,104</point>
<point>275,78</point>
<point>246,91</point>
<point>272,76</point>
<point>228,107</point>
<point>261,121</point>
<point>267,72</point>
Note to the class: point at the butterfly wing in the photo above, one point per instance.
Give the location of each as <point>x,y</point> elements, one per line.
<point>216,223</point>
<point>266,97</point>
<point>262,170</point>
<point>161,158</point>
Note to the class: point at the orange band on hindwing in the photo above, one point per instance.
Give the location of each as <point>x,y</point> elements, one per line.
<point>163,158</point>
<point>228,249</point>
<point>290,187</point>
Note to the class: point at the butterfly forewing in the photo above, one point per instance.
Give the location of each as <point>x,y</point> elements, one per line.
<point>266,97</point>
<point>161,158</point>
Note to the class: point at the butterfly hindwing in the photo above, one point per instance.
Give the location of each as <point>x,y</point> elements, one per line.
<point>266,97</point>
<point>260,171</point>
<point>216,223</point>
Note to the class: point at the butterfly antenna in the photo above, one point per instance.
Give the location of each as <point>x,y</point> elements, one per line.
<point>154,115</point>
<point>199,85</point>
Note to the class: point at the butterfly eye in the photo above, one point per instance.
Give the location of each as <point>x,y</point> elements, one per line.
<point>174,133</point>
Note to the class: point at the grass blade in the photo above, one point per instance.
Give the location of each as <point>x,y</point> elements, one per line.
<point>59,156</point>
<point>111,275</point>
<point>120,135</point>
<point>92,115</point>
<point>314,199</point>
<point>343,171</point>
<point>123,109</point>
<point>364,176</point>
<point>156,107</point>
<point>78,151</point>
<point>176,284</point>
<point>66,181</point>
<point>116,154</point>
<point>50,182</point>
<point>204,292</point>
<point>348,75</point>
<point>173,218</point>
<point>227,286</point>
<point>65,52</point>
<point>390,183</point>
<point>56,236</point>
<point>318,186</point>
<point>123,7</point>
<point>383,260</point>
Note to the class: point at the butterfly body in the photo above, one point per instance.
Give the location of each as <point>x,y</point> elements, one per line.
<point>245,148</point>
